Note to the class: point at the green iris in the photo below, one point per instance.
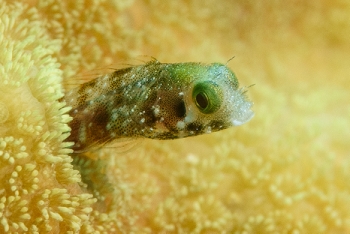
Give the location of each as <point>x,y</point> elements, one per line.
<point>207,96</point>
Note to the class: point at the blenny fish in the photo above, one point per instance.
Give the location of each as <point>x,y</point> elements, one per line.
<point>156,100</point>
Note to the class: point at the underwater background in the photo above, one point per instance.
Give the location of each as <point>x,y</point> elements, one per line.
<point>285,171</point>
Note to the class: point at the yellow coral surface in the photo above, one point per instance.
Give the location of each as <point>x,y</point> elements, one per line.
<point>286,171</point>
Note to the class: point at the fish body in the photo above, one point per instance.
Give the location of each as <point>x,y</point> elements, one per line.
<point>156,100</point>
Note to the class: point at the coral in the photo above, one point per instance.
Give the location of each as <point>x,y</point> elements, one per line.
<point>286,171</point>
<point>38,192</point>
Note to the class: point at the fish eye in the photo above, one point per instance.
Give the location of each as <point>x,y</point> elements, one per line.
<point>207,97</point>
<point>202,100</point>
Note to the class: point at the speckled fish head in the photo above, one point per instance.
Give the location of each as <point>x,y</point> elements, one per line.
<point>197,99</point>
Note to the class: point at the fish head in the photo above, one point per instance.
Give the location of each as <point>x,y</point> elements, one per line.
<point>202,99</point>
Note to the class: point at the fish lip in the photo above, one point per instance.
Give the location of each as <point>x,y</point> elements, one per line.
<point>248,115</point>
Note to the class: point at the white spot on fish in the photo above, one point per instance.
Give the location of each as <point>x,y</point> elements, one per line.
<point>180,125</point>
<point>142,120</point>
<point>156,110</point>
<point>208,129</point>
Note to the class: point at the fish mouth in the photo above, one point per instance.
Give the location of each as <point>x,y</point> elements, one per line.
<point>239,107</point>
<point>244,117</point>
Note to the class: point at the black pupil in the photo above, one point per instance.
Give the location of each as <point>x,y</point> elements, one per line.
<point>202,100</point>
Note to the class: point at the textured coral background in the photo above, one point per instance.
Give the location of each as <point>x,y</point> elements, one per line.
<point>285,171</point>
